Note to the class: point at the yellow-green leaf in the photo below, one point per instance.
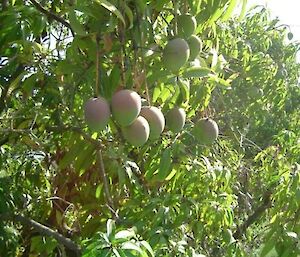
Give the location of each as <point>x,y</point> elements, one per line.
<point>129,14</point>
<point>197,72</point>
<point>229,10</point>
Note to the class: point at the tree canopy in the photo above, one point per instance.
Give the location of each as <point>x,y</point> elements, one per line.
<point>70,189</point>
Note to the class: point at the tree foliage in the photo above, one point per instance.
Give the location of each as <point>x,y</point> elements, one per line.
<point>67,190</point>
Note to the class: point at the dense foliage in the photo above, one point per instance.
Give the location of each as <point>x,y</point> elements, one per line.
<point>173,196</point>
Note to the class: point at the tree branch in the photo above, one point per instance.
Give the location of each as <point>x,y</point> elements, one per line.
<point>96,143</point>
<point>51,15</point>
<point>42,229</point>
<point>4,4</point>
<point>266,203</point>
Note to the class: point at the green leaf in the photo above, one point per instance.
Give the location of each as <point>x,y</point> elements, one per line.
<point>126,253</point>
<point>176,96</point>
<point>129,14</point>
<point>113,81</point>
<point>228,237</point>
<point>88,161</point>
<point>268,247</point>
<point>121,176</point>
<point>14,84</point>
<point>156,93</point>
<point>30,82</point>
<point>125,234</point>
<point>83,159</point>
<point>164,165</point>
<point>38,25</point>
<point>243,10</point>
<point>219,81</point>
<point>165,94</point>
<point>148,247</point>
<point>103,253</point>
<point>292,235</point>
<point>159,75</point>
<point>217,10</point>
<point>229,10</point>
<point>71,155</point>
<point>288,253</point>
<point>43,244</point>
<point>109,6</point>
<point>184,87</point>
<point>116,253</point>
<point>98,191</point>
<point>110,228</point>
<point>171,174</point>
<point>131,246</point>
<point>196,72</point>
<point>75,24</point>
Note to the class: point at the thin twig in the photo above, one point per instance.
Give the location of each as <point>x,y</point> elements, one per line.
<point>251,142</point>
<point>33,122</point>
<point>17,131</point>
<point>59,198</point>
<point>51,15</point>
<point>70,205</point>
<point>149,48</point>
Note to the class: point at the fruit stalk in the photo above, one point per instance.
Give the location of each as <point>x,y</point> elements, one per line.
<point>97,68</point>
<point>123,56</point>
<point>102,173</point>
<point>175,17</point>
<point>142,55</point>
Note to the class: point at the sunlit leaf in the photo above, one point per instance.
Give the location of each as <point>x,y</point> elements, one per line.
<point>197,72</point>
<point>110,227</point>
<point>125,234</point>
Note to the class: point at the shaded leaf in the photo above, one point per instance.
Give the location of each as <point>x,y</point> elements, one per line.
<point>75,24</point>
<point>164,165</point>
<point>113,9</point>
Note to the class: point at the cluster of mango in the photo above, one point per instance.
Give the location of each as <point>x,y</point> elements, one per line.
<point>186,46</point>
<point>138,124</point>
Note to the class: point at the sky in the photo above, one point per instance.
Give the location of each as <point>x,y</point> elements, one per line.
<point>286,10</point>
